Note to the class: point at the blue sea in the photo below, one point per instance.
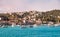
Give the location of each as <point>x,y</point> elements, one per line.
<point>40,31</point>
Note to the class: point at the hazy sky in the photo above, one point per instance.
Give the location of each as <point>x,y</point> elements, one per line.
<point>27,5</point>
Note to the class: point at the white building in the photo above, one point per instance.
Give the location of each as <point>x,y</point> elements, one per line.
<point>0,18</point>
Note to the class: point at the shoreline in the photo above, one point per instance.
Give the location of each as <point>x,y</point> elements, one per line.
<point>31,26</point>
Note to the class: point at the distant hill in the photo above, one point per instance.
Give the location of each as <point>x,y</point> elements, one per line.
<point>53,12</point>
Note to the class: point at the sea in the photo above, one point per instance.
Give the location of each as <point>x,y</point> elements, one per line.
<point>39,31</point>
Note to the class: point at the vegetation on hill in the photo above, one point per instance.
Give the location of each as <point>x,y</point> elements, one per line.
<point>17,17</point>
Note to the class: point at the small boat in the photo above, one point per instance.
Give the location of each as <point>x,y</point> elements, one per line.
<point>23,26</point>
<point>12,25</point>
<point>35,25</point>
<point>18,25</point>
<point>31,26</point>
<point>56,24</point>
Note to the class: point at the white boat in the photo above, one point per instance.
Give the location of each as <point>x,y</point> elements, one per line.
<point>34,25</point>
<point>3,26</point>
<point>56,24</point>
<point>18,25</point>
<point>12,25</point>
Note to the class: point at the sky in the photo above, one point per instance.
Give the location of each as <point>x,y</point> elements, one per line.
<point>28,5</point>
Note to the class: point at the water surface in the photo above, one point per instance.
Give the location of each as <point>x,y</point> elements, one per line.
<point>40,31</point>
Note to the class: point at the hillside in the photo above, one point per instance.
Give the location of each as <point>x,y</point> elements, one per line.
<point>33,16</point>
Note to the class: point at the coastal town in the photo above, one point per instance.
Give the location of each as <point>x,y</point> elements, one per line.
<point>30,18</point>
